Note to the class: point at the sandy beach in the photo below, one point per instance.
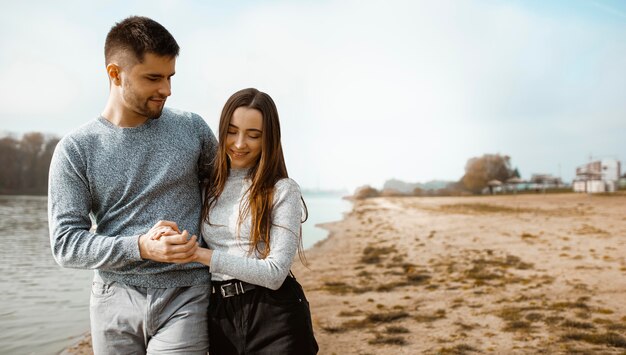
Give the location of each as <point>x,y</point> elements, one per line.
<point>515,274</point>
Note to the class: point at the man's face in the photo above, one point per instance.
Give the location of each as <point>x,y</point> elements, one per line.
<point>146,86</point>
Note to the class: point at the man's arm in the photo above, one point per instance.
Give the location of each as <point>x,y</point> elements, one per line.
<point>73,245</point>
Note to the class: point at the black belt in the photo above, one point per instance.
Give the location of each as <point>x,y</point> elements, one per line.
<point>231,288</point>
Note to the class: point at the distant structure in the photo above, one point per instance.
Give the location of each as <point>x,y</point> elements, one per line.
<point>544,182</point>
<point>597,176</point>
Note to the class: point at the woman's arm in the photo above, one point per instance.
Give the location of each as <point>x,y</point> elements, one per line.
<point>284,240</point>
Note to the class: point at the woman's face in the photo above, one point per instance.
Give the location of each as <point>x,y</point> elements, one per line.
<point>243,141</point>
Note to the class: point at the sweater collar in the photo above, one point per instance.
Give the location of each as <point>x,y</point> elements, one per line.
<point>239,173</point>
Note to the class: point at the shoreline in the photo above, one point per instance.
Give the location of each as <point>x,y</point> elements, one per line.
<point>520,274</point>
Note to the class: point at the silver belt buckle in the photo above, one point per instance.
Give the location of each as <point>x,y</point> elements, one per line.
<point>237,289</point>
<point>222,289</point>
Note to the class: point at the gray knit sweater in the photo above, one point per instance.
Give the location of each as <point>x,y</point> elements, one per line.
<point>231,259</point>
<point>125,180</point>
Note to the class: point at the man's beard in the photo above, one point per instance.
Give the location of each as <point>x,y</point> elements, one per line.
<point>142,108</point>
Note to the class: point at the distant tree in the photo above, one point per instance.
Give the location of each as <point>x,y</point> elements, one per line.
<point>31,147</point>
<point>42,167</point>
<point>479,171</point>
<point>364,192</point>
<point>25,163</point>
<point>9,173</point>
<point>516,173</point>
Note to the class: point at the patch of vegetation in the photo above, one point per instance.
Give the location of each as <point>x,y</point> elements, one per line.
<point>459,349</point>
<point>365,274</point>
<point>350,313</point>
<point>485,270</point>
<point>583,314</point>
<point>333,329</point>
<point>517,319</point>
<point>518,326</point>
<point>616,327</point>
<point>341,288</point>
<point>602,310</point>
<point>386,317</point>
<point>608,338</point>
<point>429,318</point>
<point>468,208</point>
<point>373,255</point>
<point>578,325</point>
<point>417,278</point>
<point>552,320</point>
<point>464,326</point>
<point>562,306</point>
<point>586,229</point>
<point>390,286</point>
<point>534,317</point>
<point>387,340</point>
<point>529,236</point>
<point>396,330</point>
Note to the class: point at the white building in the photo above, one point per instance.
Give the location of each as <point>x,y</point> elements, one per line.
<point>597,176</point>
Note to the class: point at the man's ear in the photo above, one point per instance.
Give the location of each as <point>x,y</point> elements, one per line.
<point>113,70</point>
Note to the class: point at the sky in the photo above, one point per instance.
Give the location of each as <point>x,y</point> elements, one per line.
<point>366,90</point>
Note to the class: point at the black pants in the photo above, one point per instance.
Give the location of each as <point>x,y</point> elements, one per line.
<point>262,321</point>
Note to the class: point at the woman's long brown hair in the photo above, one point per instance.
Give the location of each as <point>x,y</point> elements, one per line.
<point>266,171</point>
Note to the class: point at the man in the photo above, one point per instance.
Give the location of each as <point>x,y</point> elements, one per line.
<point>136,164</point>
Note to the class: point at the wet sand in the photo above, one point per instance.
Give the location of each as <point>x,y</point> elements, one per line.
<point>517,274</point>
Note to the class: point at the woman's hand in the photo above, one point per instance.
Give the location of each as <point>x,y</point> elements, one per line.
<point>164,243</point>
<point>203,256</point>
<point>162,228</point>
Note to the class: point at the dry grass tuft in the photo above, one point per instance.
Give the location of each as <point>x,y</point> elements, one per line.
<point>529,236</point>
<point>459,349</point>
<point>608,338</point>
<point>396,330</point>
<point>350,313</point>
<point>373,255</point>
<point>386,317</point>
<point>578,325</point>
<point>388,340</point>
<point>586,229</point>
<point>429,318</point>
<point>469,208</point>
<point>341,288</point>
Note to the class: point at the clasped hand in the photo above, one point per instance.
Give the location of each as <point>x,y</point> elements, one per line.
<point>165,243</point>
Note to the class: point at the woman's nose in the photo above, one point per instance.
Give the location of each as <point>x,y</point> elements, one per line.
<point>240,142</point>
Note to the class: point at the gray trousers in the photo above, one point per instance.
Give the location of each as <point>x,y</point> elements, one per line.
<point>137,320</point>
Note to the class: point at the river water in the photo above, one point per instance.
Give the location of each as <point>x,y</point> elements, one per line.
<point>43,307</point>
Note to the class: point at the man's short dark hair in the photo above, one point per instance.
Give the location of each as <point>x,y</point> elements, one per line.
<point>139,35</point>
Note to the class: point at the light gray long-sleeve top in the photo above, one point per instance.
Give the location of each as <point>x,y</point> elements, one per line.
<point>127,179</point>
<point>231,258</point>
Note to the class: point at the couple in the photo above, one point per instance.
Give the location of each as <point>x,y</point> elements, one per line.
<point>228,205</point>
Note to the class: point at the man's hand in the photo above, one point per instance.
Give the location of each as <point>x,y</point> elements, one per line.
<point>164,243</point>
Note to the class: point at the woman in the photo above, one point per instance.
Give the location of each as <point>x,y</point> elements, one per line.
<point>252,216</point>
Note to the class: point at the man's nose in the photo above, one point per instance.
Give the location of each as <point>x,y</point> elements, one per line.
<point>166,88</point>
